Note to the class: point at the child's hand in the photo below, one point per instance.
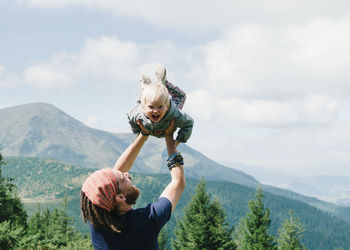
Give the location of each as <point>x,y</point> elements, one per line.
<point>144,131</point>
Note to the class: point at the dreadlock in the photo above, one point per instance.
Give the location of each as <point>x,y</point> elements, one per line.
<point>101,218</point>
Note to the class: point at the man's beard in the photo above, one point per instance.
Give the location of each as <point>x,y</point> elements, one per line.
<point>131,195</point>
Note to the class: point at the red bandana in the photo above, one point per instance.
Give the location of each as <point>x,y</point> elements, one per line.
<point>101,188</point>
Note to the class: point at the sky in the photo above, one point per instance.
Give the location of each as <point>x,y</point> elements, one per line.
<point>267,81</point>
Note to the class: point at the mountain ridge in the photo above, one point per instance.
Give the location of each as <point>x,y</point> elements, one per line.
<point>42,130</point>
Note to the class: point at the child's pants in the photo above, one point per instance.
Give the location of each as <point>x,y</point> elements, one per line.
<point>178,97</point>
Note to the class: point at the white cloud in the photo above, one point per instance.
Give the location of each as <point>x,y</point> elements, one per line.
<point>103,60</point>
<point>108,56</point>
<point>251,75</point>
<point>235,76</point>
<point>322,47</point>
<point>277,63</point>
<point>310,110</point>
<point>294,150</point>
<point>7,79</point>
<point>208,15</point>
<point>44,78</point>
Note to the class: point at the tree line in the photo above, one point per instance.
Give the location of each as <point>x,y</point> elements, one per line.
<point>202,226</point>
<point>44,230</point>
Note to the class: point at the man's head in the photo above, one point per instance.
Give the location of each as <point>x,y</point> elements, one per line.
<point>126,189</point>
<point>155,101</point>
<point>105,194</point>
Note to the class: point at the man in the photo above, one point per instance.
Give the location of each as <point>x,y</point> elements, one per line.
<point>108,196</point>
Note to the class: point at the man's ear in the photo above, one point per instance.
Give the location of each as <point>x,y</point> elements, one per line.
<point>120,197</point>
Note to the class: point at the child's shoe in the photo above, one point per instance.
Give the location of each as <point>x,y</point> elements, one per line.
<point>161,74</point>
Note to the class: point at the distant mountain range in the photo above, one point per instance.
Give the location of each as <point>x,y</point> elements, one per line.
<point>41,130</point>
<point>330,188</point>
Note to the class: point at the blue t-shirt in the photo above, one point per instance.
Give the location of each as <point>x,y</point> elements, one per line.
<point>141,228</point>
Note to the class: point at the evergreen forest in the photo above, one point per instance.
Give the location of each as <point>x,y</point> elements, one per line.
<point>39,209</point>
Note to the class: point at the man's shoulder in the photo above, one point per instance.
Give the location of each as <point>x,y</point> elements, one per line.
<point>161,202</point>
<point>161,207</point>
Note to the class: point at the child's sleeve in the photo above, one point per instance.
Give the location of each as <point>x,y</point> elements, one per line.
<point>132,117</point>
<point>134,127</point>
<point>185,123</point>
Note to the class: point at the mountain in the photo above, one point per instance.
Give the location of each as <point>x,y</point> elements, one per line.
<point>333,188</point>
<point>47,181</point>
<point>42,130</point>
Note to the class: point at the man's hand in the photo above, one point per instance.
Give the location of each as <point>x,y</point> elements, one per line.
<point>144,131</point>
<point>170,130</point>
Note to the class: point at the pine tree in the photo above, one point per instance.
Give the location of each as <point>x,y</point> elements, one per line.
<point>290,233</point>
<point>47,230</point>
<point>13,218</point>
<point>252,231</point>
<point>203,225</point>
<point>163,239</point>
<point>51,230</point>
<point>10,234</point>
<point>11,207</point>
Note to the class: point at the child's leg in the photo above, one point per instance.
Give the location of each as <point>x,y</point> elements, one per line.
<point>178,97</point>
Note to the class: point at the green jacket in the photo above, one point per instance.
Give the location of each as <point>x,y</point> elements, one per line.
<point>182,121</point>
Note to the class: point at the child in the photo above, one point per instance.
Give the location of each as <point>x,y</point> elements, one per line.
<point>155,109</point>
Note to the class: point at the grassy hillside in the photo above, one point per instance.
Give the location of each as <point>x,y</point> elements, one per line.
<point>47,181</point>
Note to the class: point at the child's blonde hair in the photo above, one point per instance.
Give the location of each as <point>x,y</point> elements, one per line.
<point>154,91</point>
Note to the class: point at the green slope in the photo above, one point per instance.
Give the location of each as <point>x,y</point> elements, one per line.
<point>47,181</point>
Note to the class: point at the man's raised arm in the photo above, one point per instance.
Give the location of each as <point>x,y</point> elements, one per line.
<point>127,159</point>
<point>177,184</point>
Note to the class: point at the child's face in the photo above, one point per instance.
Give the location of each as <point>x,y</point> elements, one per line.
<point>155,110</point>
